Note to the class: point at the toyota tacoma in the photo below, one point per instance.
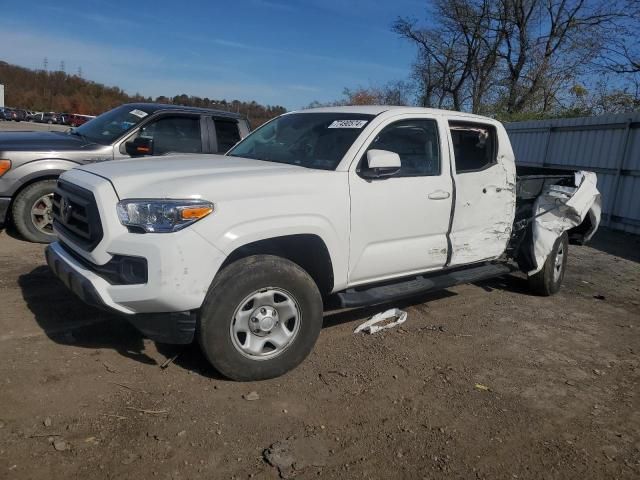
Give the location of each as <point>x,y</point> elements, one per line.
<point>343,206</point>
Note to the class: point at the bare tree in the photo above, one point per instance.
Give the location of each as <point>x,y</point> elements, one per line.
<point>621,54</point>
<point>457,58</point>
<point>512,56</point>
<point>552,38</point>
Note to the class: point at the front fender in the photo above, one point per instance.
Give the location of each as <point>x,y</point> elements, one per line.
<point>25,173</point>
<point>265,228</point>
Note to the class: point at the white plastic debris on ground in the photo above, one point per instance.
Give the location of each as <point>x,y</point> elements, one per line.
<point>565,207</point>
<point>373,324</point>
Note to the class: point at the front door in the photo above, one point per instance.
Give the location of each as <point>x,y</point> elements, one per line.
<point>399,224</point>
<point>485,192</point>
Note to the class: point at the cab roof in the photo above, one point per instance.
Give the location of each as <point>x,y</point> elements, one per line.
<point>378,109</point>
<point>157,107</point>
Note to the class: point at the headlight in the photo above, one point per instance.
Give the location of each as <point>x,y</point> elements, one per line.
<point>162,216</point>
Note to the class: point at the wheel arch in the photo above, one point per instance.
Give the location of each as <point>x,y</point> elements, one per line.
<point>34,179</point>
<point>307,250</point>
<point>33,171</point>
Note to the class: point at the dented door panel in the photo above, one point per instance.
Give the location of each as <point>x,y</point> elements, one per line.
<point>485,201</point>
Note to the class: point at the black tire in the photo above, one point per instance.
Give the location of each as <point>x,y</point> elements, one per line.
<point>549,280</point>
<point>21,211</point>
<point>226,295</point>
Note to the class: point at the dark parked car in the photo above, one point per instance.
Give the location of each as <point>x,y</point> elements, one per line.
<point>50,117</point>
<point>63,119</point>
<point>30,162</point>
<point>16,115</point>
<point>19,115</point>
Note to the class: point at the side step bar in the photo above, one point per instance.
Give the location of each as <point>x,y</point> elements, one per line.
<point>380,293</point>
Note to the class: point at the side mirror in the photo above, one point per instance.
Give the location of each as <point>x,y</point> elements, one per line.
<point>382,163</point>
<point>139,146</point>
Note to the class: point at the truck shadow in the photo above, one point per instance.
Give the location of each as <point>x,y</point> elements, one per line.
<point>514,283</point>
<point>68,321</point>
<point>619,244</point>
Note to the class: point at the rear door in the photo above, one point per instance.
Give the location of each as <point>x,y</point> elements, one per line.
<point>484,177</point>
<point>399,224</point>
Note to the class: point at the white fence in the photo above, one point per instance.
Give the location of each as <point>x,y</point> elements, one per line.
<point>608,145</point>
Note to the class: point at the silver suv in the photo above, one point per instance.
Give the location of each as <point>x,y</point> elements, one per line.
<point>30,162</point>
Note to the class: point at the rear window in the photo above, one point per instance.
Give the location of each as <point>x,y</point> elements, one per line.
<point>475,146</point>
<point>227,134</point>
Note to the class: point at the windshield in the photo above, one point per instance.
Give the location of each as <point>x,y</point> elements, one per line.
<point>312,140</point>
<point>109,126</point>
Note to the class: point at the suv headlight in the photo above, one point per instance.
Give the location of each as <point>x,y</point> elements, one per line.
<point>161,216</point>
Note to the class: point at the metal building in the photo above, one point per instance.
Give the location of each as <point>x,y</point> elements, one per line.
<point>1,95</point>
<point>608,145</point>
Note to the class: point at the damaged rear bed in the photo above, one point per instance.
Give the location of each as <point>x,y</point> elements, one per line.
<point>550,201</point>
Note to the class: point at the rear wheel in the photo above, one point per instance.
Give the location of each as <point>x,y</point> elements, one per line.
<point>32,212</point>
<point>548,280</point>
<point>260,319</point>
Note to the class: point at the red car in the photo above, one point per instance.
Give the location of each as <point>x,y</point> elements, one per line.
<point>75,119</point>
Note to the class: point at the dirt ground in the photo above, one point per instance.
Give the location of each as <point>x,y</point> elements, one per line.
<point>482,381</point>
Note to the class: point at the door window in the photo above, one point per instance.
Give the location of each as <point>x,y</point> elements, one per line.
<point>227,133</point>
<point>415,141</point>
<point>474,146</point>
<point>174,134</point>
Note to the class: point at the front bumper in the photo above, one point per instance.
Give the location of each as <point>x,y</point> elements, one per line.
<point>4,210</point>
<point>72,278</point>
<point>164,327</point>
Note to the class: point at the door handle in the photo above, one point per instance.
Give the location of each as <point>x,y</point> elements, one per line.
<point>439,195</point>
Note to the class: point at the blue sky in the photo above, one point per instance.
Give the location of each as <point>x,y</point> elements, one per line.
<point>272,51</point>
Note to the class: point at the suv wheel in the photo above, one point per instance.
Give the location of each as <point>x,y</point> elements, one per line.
<point>32,212</point>
<point>548,280</point>
<point>260,319</point>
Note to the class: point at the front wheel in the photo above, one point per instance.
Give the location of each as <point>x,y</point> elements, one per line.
<point>548,280</point>
<point>260,319</point>
<point>32,212</point>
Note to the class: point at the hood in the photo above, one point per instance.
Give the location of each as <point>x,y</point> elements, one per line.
<point>198,176</point>
<point>40,141</point>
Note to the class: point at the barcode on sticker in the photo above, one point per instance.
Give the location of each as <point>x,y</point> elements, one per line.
<point>348,123</point>
<point>138,113</point>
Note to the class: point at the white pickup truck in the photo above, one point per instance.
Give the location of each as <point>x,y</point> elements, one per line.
<point>347,206</point>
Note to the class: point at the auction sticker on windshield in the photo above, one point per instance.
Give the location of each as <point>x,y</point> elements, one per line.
<point>348,124</point>
<point>138,113</point>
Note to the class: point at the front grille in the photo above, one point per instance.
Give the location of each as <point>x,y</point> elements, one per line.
<point>75,215</point>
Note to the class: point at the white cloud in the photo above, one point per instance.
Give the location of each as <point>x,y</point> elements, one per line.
<point>333,60</point>
<point>304,88</point>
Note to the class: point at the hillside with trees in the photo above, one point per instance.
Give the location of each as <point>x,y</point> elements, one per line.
<point>57,91</point>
